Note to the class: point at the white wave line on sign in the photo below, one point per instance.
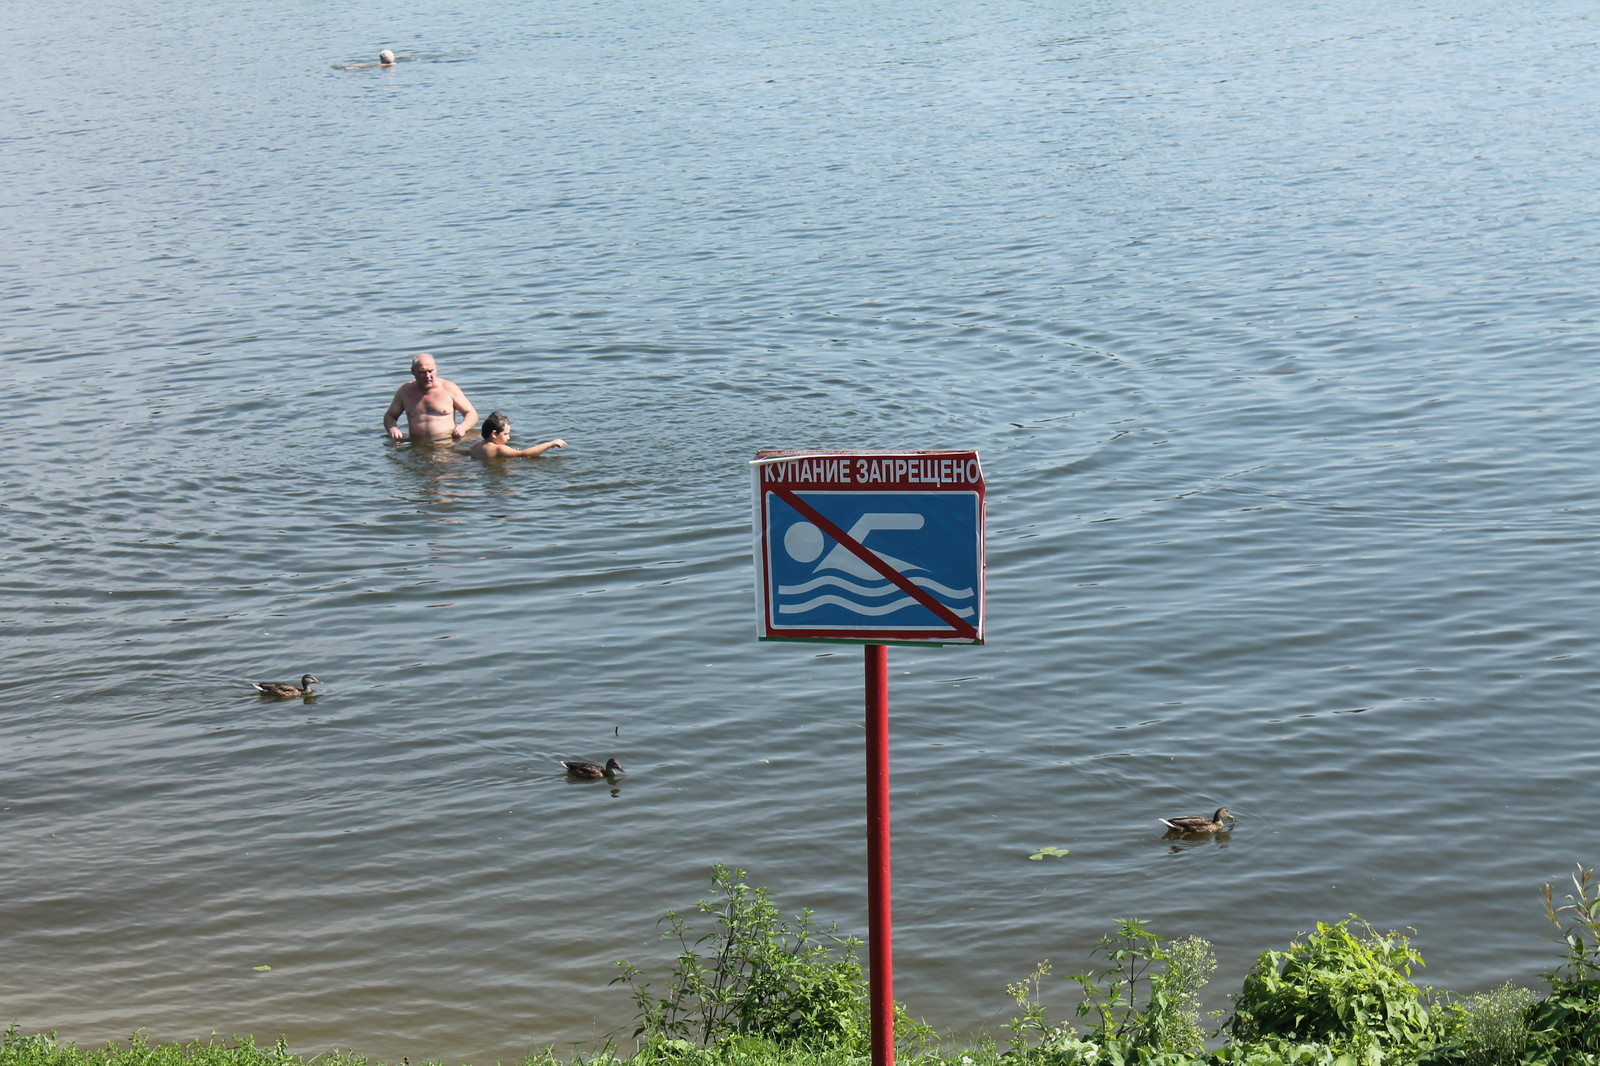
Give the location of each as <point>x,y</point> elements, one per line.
<point>838,582</point>
<point>943,590</point>
<point>859,608</point>
<point>874,590</point>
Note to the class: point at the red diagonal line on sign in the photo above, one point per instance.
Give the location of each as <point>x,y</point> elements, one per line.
<point>962,627</point>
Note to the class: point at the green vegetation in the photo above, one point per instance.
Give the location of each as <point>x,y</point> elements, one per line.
<point>757,989</point>
<point>752,975</point>
<point>1344,986</point>
<point>1492,1027</point>
<point>1167,1024</point>
<point>1566,1024</point>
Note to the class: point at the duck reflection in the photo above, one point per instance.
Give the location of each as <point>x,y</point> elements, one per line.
<point>1182,842</point>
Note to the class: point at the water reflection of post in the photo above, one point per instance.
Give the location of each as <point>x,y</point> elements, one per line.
<point>880,925</point>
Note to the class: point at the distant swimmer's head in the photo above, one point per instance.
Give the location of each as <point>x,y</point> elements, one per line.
<point>495,423</point>
<point>386,58</point>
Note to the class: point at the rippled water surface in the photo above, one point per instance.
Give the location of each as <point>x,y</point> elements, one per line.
<point>1274,326</point>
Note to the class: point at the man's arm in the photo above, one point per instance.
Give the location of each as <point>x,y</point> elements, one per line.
<point>469,414</point>
<point>391,417</point>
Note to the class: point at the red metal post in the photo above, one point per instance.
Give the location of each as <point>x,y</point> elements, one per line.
<point>880,922</point>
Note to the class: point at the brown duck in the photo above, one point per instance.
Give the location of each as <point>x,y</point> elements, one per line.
<point>592,771</point>
<point>1199,823</point>
<point>283,690</point>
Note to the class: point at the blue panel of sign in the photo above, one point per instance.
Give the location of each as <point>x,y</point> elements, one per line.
<point>932,539</point>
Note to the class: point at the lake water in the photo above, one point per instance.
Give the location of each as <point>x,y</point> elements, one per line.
<point>1273,324</point>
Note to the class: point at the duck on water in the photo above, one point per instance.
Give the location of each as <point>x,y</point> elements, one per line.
<point>283,690</point>
<point>1199,823</point>
<point>591,771</point>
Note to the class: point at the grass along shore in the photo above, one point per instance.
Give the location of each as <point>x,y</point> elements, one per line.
<point>758,989</point>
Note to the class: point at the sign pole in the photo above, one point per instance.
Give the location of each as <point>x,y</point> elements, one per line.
<point>880,922</point>
<point>872,548</point>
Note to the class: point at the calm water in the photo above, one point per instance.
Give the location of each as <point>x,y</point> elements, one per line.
<point>1274,325</point>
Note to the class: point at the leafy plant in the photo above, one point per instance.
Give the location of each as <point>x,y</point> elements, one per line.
<point>1277,1052</point>
<point>1343,985</point>
<point>1490,1028</point>
<point>1578,922</point>
<point>1566,1024</point>
<point>1034,1020</point>
<point>754,974</point>
<point>1112,994</point>
<point>1167,1022</point>
<point>1171,1019</point>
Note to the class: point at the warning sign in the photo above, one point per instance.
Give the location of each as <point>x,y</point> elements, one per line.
<point>869,547</point>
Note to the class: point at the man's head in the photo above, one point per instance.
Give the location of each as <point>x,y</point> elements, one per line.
<point>494,424</point>
<point>386,58</point>
<point>424,371</point>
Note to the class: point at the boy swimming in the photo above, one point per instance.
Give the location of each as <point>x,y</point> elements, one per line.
<point>496,442</point>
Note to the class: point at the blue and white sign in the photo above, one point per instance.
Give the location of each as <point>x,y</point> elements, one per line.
<point>870,547</point>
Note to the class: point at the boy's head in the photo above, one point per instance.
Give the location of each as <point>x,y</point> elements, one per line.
<point>495,423</point>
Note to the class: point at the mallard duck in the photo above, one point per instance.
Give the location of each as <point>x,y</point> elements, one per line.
<point>591,770</point>
<point>1197,823</point>
<point>283,690</point>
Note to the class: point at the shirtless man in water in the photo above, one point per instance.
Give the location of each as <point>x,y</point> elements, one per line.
<point>429,403</point>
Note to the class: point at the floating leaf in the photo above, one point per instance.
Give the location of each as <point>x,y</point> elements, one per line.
<point>1042,852</point>
<point>262,969</point>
